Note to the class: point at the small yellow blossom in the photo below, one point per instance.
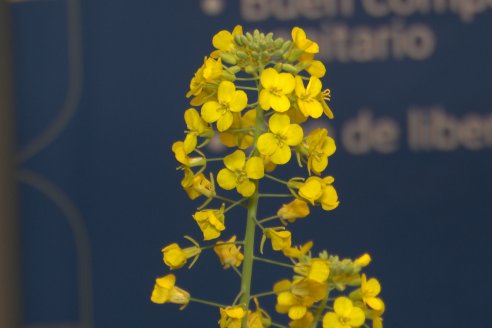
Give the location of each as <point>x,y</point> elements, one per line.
<point>229,254</point>
<point>320,191</point>
<point>175,257</point>
<point>196,185</point>
<point>370,289</point>
<point>231,316</point>
<point>314,67</point>
<point>317,147</point>
<point>294,210</point>
<point>276,87</point>
<point>295,298</point>
<point>307,97</point>
<point>239,171</point>
<point>299,251</point>
<point>211,222</point>
<point>315,269</point>
<point>201,85</point>
<point>243,136</point>
<point>223,41</point>
<point>281,239</point>
<point>258,318</point>
<point>363,260</point>
<point>196,127</point>
<point>302,42</point>
<point>276,144</point>
<point>165,291</point>
<point>182,152</point>
<point>345,315</point>
<point>229,100</point>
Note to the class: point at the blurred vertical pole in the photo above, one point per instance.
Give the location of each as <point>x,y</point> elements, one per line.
<point>9,251</point>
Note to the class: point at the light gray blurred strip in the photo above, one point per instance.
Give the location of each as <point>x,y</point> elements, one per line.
<point>74,91</point>
<point>9,251</point>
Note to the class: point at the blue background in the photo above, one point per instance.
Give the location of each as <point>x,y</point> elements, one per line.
<point>100,194</point>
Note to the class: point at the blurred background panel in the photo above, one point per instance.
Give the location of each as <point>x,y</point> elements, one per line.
<point>99,92</point>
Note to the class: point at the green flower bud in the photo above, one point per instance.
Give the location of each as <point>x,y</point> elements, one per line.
<point>228,58</point>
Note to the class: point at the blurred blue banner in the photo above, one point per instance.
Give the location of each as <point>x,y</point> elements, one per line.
<point>100,94</point>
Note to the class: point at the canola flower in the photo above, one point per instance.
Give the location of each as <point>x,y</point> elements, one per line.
<point>254,93</point>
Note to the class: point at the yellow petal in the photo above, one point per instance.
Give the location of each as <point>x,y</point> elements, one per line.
<point>222,40</point>
<point>317,69</point>
<point>278,123</point>
<point>265,99</point>
<point>190,142</point>
<point>343,306</point>
<point>297,312</point>
<point>239,101</point>
<point>311,190</point>
<point>300,90</point>
<point>246,188</point>
<point>375,303</point>
<point>267,144</point>
<point>225,121</point>
<point>235,161</point>
<point>226,179</point>
<point>357,317</point>
<point>314,86</point>
<point>226,91</point>
<point>330,320</point>
<point>282,155</point>
<point>210,111</point>
<point>268,78</point>
<point>255,168</point>
<point>279,103</point>
<point>293,134</point>
<point>286,83</point>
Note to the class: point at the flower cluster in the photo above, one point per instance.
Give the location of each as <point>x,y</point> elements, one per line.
<point>253,94</point>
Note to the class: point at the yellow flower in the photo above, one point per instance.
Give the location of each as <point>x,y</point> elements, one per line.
<point>296,297</point>
<point>202,84</point>
<point>197,185</point>
<point>370,289</point>
<point>302,42</point>
<point>315,269</point>
<point>229,254</point>
<point>317,147</point>
<point>229,101</point>
<point>294,210</point>
<point>211,222</point>
<point>320,191</point>
<point>281,239</point>
<point>299,251</point>
<point>181,152</point>
<point>363,260</point>
<point>314,67</point>
<point>239,171</point>
<point>276,143</point>
<point>346,315</point>
<point>276,87</point>
<point>224,40</point>
<point>243,138</point>
<point>231,316</point>
<point>165,291</point>
<point>196,127</point>
<point>307,97</point>
<point>175,257</point>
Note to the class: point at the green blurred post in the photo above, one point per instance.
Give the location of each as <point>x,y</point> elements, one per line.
<point>10,314</point>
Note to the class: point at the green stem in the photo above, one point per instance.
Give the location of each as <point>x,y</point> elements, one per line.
<point>263,294</point>
<point>275,195</point>
<point>249,243</point>
<point>270,218</point>
<point>197,300</point>
<point>319,310</point>
<point>239,202</point>
<point>261,259</point>
<point>271,177</point>
<point>246,88</point>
